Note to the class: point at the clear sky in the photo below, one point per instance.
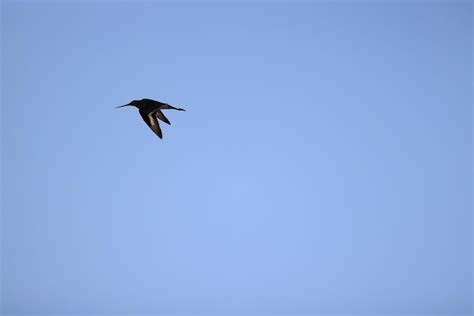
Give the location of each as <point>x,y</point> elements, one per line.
<point>323,163</point>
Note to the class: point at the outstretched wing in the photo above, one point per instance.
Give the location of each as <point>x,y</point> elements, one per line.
<point>150,120</point>
<point>162,117</point>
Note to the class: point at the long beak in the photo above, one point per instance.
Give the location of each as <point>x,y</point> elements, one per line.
<point>121,106</point>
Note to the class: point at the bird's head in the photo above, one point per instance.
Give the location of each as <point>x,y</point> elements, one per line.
<point>135,103</point>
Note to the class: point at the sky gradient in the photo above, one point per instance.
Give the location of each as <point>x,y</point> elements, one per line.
<point>323,164</point>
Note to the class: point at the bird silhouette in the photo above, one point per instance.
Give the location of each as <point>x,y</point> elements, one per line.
<point>150,110</point>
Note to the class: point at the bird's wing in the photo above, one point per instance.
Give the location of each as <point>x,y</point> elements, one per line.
<point>162,117</point>
<point>151,121</point>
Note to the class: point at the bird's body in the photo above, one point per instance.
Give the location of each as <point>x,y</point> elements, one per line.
<point>150,111</point>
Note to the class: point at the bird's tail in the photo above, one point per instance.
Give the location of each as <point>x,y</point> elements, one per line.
<point>174,108</point>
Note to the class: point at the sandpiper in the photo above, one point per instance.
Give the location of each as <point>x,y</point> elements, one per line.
<point>150,110</point>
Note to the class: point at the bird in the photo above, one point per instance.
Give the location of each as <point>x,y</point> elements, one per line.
<point>150,110</point>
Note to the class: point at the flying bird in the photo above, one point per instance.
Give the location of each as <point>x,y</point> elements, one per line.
<point>150,110</point>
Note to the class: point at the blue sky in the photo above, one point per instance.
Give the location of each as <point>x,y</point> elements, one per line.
<point>323,164</point>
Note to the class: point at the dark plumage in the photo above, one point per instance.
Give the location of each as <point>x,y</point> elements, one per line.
<point>150,110</point>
